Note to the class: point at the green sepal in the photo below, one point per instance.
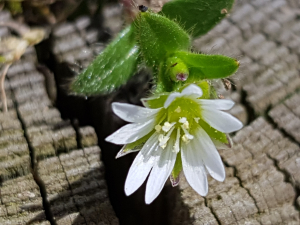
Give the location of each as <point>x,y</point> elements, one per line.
<point>158,37</point>
<point>202,66</point>
<point>213,133</point>
<point>206,89</point>
<point>156,101</point>
<point>176,170</point>
<point>111,68</point>
<point>197,16</point>
<point>134,146</point>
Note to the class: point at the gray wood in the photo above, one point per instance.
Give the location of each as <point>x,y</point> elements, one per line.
<point>262,182</point>
<point>263,179</point>
<point>42,169</point>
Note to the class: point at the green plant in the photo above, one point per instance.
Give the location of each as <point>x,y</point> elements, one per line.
<point>182,124</point>
<point>163,42</point>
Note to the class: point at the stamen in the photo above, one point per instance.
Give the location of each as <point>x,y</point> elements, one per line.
<point>176,147</point>
<point>197,119</point>
<point>186,125</point>
<point>167,126</point>
<point>185,139</point>
<point>182,120</point>
<point>160,137</point>
<point>178,109</point>
<point>157,128</point>
<point>186,133</point>
<point>164,139</point>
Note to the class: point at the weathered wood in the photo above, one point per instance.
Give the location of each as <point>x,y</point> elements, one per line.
<point>14,151</point>
<point>269,65</point>
<point>76,188</point>
<point>21,202</point>
<point>256,189</point>
<point>262,167</point>
<point>30,133</point>
<point>287,116</point>
<point>88,137</point>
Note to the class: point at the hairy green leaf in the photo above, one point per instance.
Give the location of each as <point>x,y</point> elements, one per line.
<point>197,16</point>
<point>111,68</point>
<point>202,66</point>
<point>158,36</point>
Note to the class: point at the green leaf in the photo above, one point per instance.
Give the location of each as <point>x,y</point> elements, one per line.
<point>111,68</point>
<point>202,66</point>
<point>197,16</point>
<point>158,37</point>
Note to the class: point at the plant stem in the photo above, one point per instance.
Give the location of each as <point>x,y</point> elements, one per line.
<point>3,94</point>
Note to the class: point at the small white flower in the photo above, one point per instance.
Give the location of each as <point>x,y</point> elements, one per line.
<point>174,128</point>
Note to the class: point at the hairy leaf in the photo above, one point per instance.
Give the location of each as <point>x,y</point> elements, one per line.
<point>197,16</point>
<point>158,36</point>
<point>111,68</point>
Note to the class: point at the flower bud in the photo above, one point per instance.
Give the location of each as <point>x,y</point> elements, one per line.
<point>177,69</point>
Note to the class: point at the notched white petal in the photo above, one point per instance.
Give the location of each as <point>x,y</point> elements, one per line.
<point>192,89</point>
<point>133,113</point>
<point>142,165</point>
<point>205,148</point>
<point>193,169</point>
<point>217,104</point>
<point>221,121</point>
<point>131,132</point>
<point>171,98</point>
<point>160,173</point>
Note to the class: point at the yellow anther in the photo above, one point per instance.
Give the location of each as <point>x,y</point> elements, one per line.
<point>166,127</point>
<point>186,125</point>
<point>185,138</point>
<point>157,128</point>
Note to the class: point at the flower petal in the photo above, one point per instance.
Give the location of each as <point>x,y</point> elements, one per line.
<point>193,168</point>
<point>192,89</point>
<point>221,121</point>
<point>171,98</point>
<point>206,149</point>
<point>220,104</point>
<point>131,132</point>
<point>133,113</point>
<point>142,165</point>
<point>160,172</point>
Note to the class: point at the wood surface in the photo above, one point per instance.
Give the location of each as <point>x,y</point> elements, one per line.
<point>51,170</point>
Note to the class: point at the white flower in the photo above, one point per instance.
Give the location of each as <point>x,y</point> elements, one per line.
<point>181,125</point>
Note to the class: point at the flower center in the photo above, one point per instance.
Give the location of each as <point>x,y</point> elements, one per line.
<point>182,132</point>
